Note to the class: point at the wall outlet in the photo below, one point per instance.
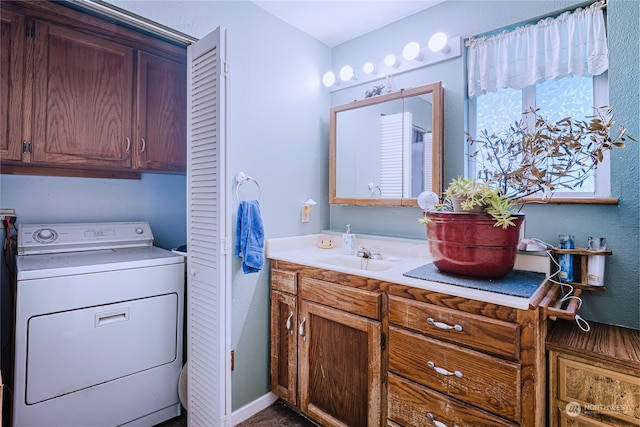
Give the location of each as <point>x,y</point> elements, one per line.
<point>8,213</point>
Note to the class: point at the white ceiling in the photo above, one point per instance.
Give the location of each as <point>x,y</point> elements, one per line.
<point>335,22</point>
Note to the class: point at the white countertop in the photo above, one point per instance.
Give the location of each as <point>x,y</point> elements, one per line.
<point>401,255</point>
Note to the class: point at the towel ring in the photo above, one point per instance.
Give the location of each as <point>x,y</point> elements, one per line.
<point>241,178</point>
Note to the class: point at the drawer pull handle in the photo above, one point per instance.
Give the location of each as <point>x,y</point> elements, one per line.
<point>289,328</point>
<point>301,328</point>
<point>443,325</point>
<point>436,422</point>
<point>443,371</point>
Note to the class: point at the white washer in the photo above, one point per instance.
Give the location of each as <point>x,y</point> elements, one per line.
<point>99,326</point>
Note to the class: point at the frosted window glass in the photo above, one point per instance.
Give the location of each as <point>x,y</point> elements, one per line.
<point>556,99</point>
<point>496,111</point>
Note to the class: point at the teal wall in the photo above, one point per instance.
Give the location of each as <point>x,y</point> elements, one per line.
<point>157,198</point>
<point>619,305</point>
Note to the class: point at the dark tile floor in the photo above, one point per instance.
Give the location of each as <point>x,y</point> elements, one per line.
<point>276,415</point>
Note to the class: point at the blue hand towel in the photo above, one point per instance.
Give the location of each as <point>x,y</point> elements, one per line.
<point>250,236</point>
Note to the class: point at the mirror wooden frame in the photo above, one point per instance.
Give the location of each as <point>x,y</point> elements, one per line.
<point>437,166</point>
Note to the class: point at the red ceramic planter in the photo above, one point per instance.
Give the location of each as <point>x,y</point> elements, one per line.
<point>468,244</point>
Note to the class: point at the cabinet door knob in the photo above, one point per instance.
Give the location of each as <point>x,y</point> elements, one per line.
<point>443,325</point>
<point>144,145</point>
<point>436,422</point>
<point>128,144</point>
<point>443,371</point>
<point>289,323</point>
<point>301,328</point>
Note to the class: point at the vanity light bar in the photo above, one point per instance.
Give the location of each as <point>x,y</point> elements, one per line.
<point>424,57</point>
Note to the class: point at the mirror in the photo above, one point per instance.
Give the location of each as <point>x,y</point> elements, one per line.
<point>387,149</point>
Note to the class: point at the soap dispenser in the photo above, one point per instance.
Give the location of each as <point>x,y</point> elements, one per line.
<point>348,242</point>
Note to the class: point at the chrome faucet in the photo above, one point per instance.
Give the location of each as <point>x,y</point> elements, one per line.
<point>363,252</point>
<point>366,253</point>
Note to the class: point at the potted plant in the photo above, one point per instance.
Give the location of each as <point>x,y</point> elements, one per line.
<point>517,163</point>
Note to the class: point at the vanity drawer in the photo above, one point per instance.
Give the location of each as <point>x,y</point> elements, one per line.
<point>353,300</point>
<point>284,281</point>
<point>484,381</point>
<point>412,405</point>
<point>490,335</point>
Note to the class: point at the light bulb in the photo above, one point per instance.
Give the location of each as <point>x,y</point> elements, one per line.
<point>438,42</point>
<point>347,73</point>
<point>390,61</point>
<point>412,51</point>
<point>369,68</point>
<point>328,79</point>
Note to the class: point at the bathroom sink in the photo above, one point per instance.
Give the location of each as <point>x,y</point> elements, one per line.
<point>351,261</point>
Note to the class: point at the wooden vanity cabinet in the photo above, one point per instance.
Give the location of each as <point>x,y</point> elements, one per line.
<point>452,366</point>
<point>460,362</point>
<point>594,377</point>
<point>326,357</point>
<point>284,336</point>
<point>92,95</point>
<point>428,358</point>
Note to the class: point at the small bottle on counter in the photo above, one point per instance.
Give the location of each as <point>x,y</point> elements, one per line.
<point>565,241</point>
<point>348,242</point>
<point>595,263</point>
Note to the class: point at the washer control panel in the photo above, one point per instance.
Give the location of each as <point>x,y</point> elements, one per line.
<point>54,238</point>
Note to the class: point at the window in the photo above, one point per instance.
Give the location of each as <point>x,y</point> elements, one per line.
<point>576,97</point>
<point>556,66</point>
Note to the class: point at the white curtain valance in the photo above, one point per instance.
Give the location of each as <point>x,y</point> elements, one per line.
<point>573,44</point>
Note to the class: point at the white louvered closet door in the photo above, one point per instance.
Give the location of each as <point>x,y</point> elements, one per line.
<point>208,234</point>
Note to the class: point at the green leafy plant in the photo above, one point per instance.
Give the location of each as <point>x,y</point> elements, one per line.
<point>523,162</point>
<point>466,194</point>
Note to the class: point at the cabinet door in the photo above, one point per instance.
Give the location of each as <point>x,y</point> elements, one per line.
<point>161,110</point>
<point>284,347</point>
<point>339,366</point>
<point>11,84</point>
<point>83,92</point>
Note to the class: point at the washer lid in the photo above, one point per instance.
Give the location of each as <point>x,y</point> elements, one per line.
<point>54,238</point>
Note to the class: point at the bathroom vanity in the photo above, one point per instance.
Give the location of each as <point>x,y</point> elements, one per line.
<point>356,342</point>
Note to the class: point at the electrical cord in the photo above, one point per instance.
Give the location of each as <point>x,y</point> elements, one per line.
<point>8,261</point>
<point>566,296</point>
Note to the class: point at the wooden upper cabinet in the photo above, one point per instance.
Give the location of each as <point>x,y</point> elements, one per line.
<point>11,84</point>
<point>89,94</point>
<point>82,99</point>
<point>161,111</point>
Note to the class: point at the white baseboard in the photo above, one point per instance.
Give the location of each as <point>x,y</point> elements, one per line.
<point>252,408</point>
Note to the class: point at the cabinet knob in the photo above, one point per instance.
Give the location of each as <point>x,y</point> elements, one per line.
<point>443,325</point>
<point>144,145</point>
<point>128,144</point>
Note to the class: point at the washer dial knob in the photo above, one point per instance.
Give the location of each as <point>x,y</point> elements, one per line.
<point>45,235</point>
